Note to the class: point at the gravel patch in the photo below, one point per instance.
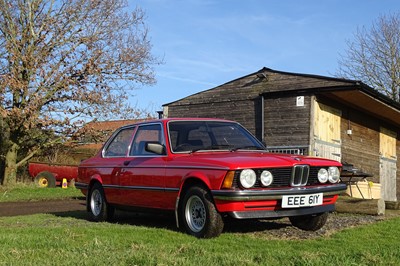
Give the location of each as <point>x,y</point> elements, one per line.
<point>282,228</point>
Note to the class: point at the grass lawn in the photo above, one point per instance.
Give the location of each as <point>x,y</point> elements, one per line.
<point>45,239</point>
<point>30,192</point>
<point>69,239</point>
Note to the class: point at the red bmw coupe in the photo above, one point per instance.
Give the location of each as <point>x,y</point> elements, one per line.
<point>205,170</point>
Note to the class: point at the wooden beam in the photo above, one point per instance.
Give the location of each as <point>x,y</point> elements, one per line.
<point>360,206</point>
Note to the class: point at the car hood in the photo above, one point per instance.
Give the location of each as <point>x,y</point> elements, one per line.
<point>248,159</point>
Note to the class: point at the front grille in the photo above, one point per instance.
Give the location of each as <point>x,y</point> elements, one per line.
<point>282,174</point>
<point>299,175</point>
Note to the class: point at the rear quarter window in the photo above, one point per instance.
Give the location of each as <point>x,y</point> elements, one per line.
<point>119,145</point>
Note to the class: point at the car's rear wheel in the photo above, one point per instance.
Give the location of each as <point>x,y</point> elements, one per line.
<point>97,206</point>
<point>311,222</point>
<point>45,179</point>
<point>199,215</point>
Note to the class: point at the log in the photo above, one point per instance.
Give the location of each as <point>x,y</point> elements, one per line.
<point>360,206</point>
<point>392,205</point>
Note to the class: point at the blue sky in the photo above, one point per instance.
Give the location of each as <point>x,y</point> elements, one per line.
<point>205,43</point>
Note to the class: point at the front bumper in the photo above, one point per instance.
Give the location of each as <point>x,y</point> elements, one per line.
<point>250,195</point>
<point>245,204</point>
<point>281,213</point>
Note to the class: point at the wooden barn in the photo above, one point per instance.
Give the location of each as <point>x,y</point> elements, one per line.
<point>340,119</point>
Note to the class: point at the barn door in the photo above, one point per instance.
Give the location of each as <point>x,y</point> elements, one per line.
<point>327,142</point>
<point>388,161</point>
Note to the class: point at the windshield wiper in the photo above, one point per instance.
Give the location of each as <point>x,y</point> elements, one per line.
<point>212,147</point>
<point>253,147</point>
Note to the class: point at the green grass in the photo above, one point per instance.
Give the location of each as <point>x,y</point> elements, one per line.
<point>30,192</point>
<point>69,239</point>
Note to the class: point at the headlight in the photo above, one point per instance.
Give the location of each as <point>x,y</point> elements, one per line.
<point>323,175</point>
<point>266,178</point>
<point>334,174</point>
<point>247,178</point>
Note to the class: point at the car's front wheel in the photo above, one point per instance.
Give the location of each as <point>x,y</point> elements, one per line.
<point>97,206</point>
<point>199,215</point>
<point>311,222</point>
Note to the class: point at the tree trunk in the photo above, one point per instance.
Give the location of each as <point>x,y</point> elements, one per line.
<point>10,171</point>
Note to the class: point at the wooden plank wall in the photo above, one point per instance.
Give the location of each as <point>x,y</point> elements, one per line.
<point>361,148</point>
<point>398,165</point>
<point>388,143</point>
<point>326,132</point>
<point>285,123</point>
<point>387,152</point>
<point>327,123</point>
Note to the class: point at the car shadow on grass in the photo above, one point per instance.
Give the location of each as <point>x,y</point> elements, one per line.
<point>167,221</point>
<point>254,225</point>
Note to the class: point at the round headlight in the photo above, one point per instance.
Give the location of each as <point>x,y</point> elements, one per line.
<point>334,174</point>
<point>266,178</point>
<point>323,175</point>
<point>247,178</point>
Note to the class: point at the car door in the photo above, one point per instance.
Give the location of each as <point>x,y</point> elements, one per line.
<point>113,158</point>
<point>142,178</point>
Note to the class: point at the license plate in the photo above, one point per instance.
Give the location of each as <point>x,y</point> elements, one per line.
<point>297,201</point>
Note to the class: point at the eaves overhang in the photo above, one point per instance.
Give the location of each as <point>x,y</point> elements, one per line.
<point>358,96</point>
<point>369,104</point>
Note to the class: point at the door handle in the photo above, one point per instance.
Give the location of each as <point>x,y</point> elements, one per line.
<point>126,163</point>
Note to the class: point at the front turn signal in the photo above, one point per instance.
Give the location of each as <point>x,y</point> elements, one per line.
<point>228,180</point>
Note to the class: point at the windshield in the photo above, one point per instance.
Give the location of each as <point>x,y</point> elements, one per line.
<point>192,136</point>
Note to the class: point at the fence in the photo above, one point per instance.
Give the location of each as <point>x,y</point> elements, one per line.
<point>298,150</point>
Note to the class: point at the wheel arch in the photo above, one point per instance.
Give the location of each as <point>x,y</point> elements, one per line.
<point>94,179</point>
<point>193,181</point>
<point>188,182</point>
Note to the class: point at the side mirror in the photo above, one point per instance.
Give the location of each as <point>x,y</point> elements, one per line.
<point>155,147</point>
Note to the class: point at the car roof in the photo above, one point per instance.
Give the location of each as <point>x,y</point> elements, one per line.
<point>166,120</point>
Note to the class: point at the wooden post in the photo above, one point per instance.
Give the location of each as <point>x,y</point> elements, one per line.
<point>361,206</point>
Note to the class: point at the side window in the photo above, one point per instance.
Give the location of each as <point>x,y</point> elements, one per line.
<point>144,134</point>
<point>118,147</point>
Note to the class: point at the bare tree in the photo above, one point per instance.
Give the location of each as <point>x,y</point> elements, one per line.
<point>63,62</point>
<point>374,56</point>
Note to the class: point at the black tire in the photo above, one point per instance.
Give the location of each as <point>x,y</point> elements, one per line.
<point>45,179</point>
<point>198,214</point>
<point>97,206</point>
<point>311,222</point>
